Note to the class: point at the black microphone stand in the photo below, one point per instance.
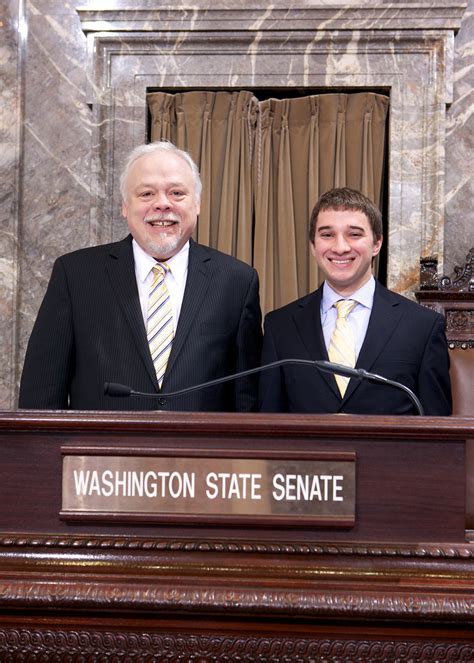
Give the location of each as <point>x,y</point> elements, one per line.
<point>120,390</point>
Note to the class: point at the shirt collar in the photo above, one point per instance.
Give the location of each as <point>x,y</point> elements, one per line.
<point>364,296</point>
<point>144,262</point>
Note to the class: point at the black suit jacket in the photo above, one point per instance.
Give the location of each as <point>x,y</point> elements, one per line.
<point>90,330</point>
<point>404,342</point>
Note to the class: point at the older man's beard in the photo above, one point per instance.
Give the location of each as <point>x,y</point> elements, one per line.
<point>168,245</point>
<point>165,248</point>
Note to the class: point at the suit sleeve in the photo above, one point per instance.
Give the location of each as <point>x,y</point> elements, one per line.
<point>272,394</point>
<point>434,386</point>
<point>249,344</point>
<point>49,357</point>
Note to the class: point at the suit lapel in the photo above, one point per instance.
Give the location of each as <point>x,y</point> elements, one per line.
<point>382,324</point>
<point>308,323</point>
<point>383,321</point>
<point>197,284</point>
<point>121,269</point>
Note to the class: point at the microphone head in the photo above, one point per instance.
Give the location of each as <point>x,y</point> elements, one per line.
<point>115,389</point>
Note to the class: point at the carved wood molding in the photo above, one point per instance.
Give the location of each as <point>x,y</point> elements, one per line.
<point>459,321</point>
<point>147,646</point>
<point>462,278</point>
<point>462,345</point>
<point>461,281</point>
<point>161,597</point>
<point>435,550</point>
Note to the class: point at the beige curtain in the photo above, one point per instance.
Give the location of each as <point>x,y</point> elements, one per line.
<point>216,129</point>
<point>263,166</point>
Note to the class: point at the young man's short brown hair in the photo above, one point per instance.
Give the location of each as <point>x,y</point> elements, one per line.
<point>347,199</point>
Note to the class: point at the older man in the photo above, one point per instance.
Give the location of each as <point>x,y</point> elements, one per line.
<point>155,311</point>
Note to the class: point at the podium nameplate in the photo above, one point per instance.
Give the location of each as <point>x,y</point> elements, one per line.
<point>288,491</point>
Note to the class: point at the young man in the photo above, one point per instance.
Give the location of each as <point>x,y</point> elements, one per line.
<point>377,330</point>
<point>155,311</point>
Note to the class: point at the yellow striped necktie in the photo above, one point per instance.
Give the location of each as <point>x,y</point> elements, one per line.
<point>160,331</point>
<point>342,344</point>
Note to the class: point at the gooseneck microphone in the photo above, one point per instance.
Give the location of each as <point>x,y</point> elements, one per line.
<point>115,389</point>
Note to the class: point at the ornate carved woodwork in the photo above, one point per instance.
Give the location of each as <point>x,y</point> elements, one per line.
<point>452,296</point>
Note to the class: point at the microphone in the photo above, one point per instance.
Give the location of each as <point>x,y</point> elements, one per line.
<point>115,389</point>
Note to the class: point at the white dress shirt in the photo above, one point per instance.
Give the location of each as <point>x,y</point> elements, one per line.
<point>358,318</point>
<point>175,278</point>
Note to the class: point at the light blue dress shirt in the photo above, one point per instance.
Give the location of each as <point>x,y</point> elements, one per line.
<point>359,316</point>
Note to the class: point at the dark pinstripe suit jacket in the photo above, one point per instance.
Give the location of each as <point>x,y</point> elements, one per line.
<point>90,330</point>
<point>404,342</point>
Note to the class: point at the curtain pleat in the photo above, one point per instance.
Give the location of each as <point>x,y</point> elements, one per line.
<point>203,231</point>
<point>340,168</point>
<point>263,166</point>
<point>236,209</point>
<point>313,184</point>
<point>264,186</point>
<point>244,224</point>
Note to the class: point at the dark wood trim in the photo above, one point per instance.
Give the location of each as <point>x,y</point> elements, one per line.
<point>236,426</point>
<point>221,593</point>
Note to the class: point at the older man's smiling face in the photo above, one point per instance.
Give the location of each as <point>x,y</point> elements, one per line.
<point>160,205</point>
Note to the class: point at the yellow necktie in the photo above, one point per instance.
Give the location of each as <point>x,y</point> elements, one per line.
<point>160,330</point>
<point>342,344</point>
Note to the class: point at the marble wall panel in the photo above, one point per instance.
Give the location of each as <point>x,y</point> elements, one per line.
<point>73,103</point>
<point>56,147</point>
<point>12,43</point>
<point>459,187</point>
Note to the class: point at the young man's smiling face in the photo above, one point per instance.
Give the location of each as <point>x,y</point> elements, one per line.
<point>344,247</point>
<point>161,205</point>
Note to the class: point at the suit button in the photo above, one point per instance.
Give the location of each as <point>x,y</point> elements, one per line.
<point>162,401</point>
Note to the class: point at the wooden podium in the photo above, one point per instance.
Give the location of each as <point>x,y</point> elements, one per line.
<point>393,581</point>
